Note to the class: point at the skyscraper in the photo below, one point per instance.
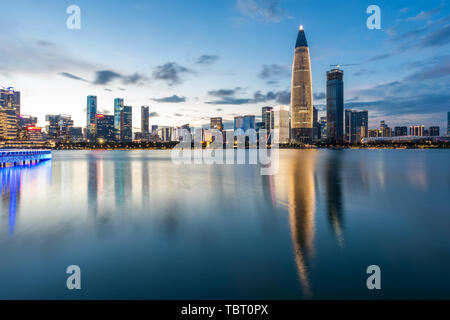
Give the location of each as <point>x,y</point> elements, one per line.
<point>126,124</point>
<point>216,123</point>
<point>144,121</point>
<point>301,92</point>
<point>118,106</point>
<point>238,123</point>
<point>105,128</point>
<point>10,99</point>
<point>59,126</point>
<point>416,131</point>
<point>400,131</point>
<point>91,122</point>
<point>335,105</point>
<point>280,120</point>
<point>434,131</point>
<point>356,125</point>
<point>8,124</point>
<point>267,120</point>
<point>448,123</point>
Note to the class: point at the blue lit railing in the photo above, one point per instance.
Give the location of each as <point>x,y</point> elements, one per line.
<point>21,157</point>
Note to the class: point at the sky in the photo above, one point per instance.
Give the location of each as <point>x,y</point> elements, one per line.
<point>192,60</point>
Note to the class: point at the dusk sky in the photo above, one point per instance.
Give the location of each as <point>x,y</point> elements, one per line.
<point>191,60</point>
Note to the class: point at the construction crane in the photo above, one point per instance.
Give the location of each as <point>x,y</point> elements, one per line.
<point>344,65</point>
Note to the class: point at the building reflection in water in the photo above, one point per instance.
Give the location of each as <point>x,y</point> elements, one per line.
<point>122,182</point>
<point>13,181</point>
<point>92,184</point>
<point>302,206</point>
<point>333,178</point>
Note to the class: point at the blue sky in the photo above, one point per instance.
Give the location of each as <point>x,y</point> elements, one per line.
<point>190,60</point>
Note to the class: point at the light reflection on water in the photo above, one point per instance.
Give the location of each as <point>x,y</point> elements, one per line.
<point>140,226</point>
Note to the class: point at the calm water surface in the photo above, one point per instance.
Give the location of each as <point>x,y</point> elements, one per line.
<point>140,226</point>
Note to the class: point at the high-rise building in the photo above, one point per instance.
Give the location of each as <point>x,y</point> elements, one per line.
<point>335,105</point>
<point>216,123</point>
<point>249,123</point>
<point>76,134</point>
<point>280,116</point>
<point>356,125</point>
<point>434,132</point>
<point>400,131</point>
<point>8,124</point>
<point>10,99</point>
<point>144,121</point>
<point>416,131</point>
<point>58,128</point>
<point>105,128</point>
<point>301,92</point>
<point>266,116</point>
<point>24,122</point>
<point>164,134</point>
<point>385,131</point>
<point>316,125</point>
<point>448,123</point>
<point>323,127</point>
<point>118,107</point>
<point>91,111</point>
<point>154,129</point>
<point>126,124</point>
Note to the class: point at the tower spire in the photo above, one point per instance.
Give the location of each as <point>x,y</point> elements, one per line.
<point>301,38</point>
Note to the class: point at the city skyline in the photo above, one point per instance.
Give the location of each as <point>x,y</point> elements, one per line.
<point>245,66</point>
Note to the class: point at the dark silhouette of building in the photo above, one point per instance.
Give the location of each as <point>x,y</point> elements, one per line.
<point>400,131</point>
<point>356,125</point>
<point>335,106</point>
<point>434,132</point>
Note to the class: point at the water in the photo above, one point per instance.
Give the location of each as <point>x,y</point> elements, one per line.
<point>140,226</point>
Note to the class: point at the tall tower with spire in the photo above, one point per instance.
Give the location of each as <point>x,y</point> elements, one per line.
<point>301,92</point>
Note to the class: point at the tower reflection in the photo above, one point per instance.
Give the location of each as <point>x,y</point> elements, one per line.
<point>302,206</point>
<point>333,178</point>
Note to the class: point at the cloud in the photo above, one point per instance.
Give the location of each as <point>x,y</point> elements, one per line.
<point>207,59</point>
<point>381,57</point>
<point>170,72</point>
<point>178,115</point>
<point>105,77</point>
<point>134,78</point>
<point>153,114</point>
<point>273,72</point>
<point>72,76</point>
<point>171,99</point>
<point>224,92</point>
<point>436,38</point>
<point>36,57</point>
<point>263,10</point>
<point>319,96</point>
<point>44,43</point>
<point>425,91</point>
<point>425,14</point>
<point>363,72</point>
<point>437,67</point>
<point>281,97</point>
